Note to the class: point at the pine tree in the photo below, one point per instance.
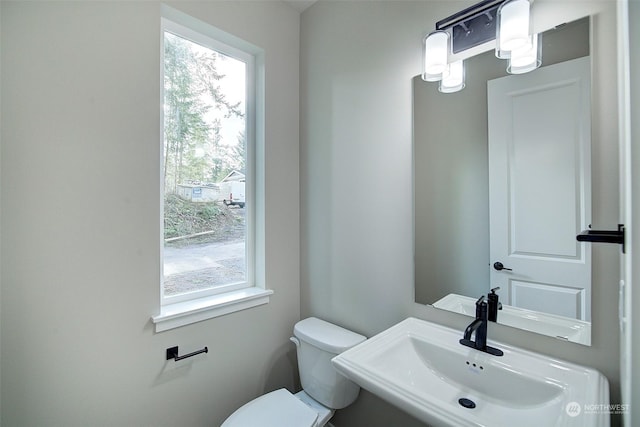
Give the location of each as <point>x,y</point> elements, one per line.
<point>192,145</point>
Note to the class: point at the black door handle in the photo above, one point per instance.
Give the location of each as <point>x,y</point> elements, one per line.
<point>500,266</point>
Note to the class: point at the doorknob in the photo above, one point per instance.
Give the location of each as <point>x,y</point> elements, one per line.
<point>500,266</point>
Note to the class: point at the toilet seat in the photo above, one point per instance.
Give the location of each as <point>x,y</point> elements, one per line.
<point>276,409</point>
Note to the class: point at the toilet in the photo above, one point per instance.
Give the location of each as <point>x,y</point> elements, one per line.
<point>324,389</point>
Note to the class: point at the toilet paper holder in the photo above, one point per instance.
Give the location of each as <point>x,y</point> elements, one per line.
<point>172,353</point>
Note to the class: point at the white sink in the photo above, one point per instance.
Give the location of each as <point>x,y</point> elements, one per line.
<point>422,368</point>
<point>564,328</point>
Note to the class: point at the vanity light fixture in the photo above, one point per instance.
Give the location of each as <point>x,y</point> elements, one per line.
<point>508,22</point>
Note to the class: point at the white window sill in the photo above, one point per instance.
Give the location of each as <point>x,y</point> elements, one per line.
<point>187,312</point>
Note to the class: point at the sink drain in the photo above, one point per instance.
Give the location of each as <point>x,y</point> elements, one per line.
<point>467,403</point>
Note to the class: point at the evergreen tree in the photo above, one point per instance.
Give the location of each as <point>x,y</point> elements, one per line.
<point>185,127</point>
<point>192,144</point>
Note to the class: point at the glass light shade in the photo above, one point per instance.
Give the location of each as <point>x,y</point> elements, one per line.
<point>455,80</point>
<point>436,77</point>
<point>512,30</point>
<point>503,54</point>
<point>526,58</point>
<point>436,54</point>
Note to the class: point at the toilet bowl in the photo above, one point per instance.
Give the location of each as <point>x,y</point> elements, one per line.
<point>280,408</point>
<point>324,389</point>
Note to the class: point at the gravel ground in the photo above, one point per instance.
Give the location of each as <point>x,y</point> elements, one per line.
<point>226,270</point>
<point>229,271</point>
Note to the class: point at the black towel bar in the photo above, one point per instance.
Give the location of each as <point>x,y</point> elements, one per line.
<point>172,353</point>
<point>603,236</point>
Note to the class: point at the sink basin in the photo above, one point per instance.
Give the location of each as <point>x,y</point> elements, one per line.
<point>421,368</point>
<point>564,328</point>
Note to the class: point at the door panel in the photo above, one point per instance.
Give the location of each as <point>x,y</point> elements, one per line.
<point>540,187</point>
<point>548,298</point>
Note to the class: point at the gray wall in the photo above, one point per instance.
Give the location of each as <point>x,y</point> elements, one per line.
<point>357,64</point>
<point>80,259</point>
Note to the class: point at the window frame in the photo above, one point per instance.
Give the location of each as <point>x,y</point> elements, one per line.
<point>182,309</point>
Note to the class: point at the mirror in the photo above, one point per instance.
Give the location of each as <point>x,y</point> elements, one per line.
<point>456,180</point>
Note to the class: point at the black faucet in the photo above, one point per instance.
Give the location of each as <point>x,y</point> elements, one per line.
<point>479,326</point>
<point>494,305</point>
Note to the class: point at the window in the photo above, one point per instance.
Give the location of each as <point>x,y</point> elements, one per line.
<point>210,160</point>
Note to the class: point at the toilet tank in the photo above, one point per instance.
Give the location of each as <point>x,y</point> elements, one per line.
<point>318,343</point>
